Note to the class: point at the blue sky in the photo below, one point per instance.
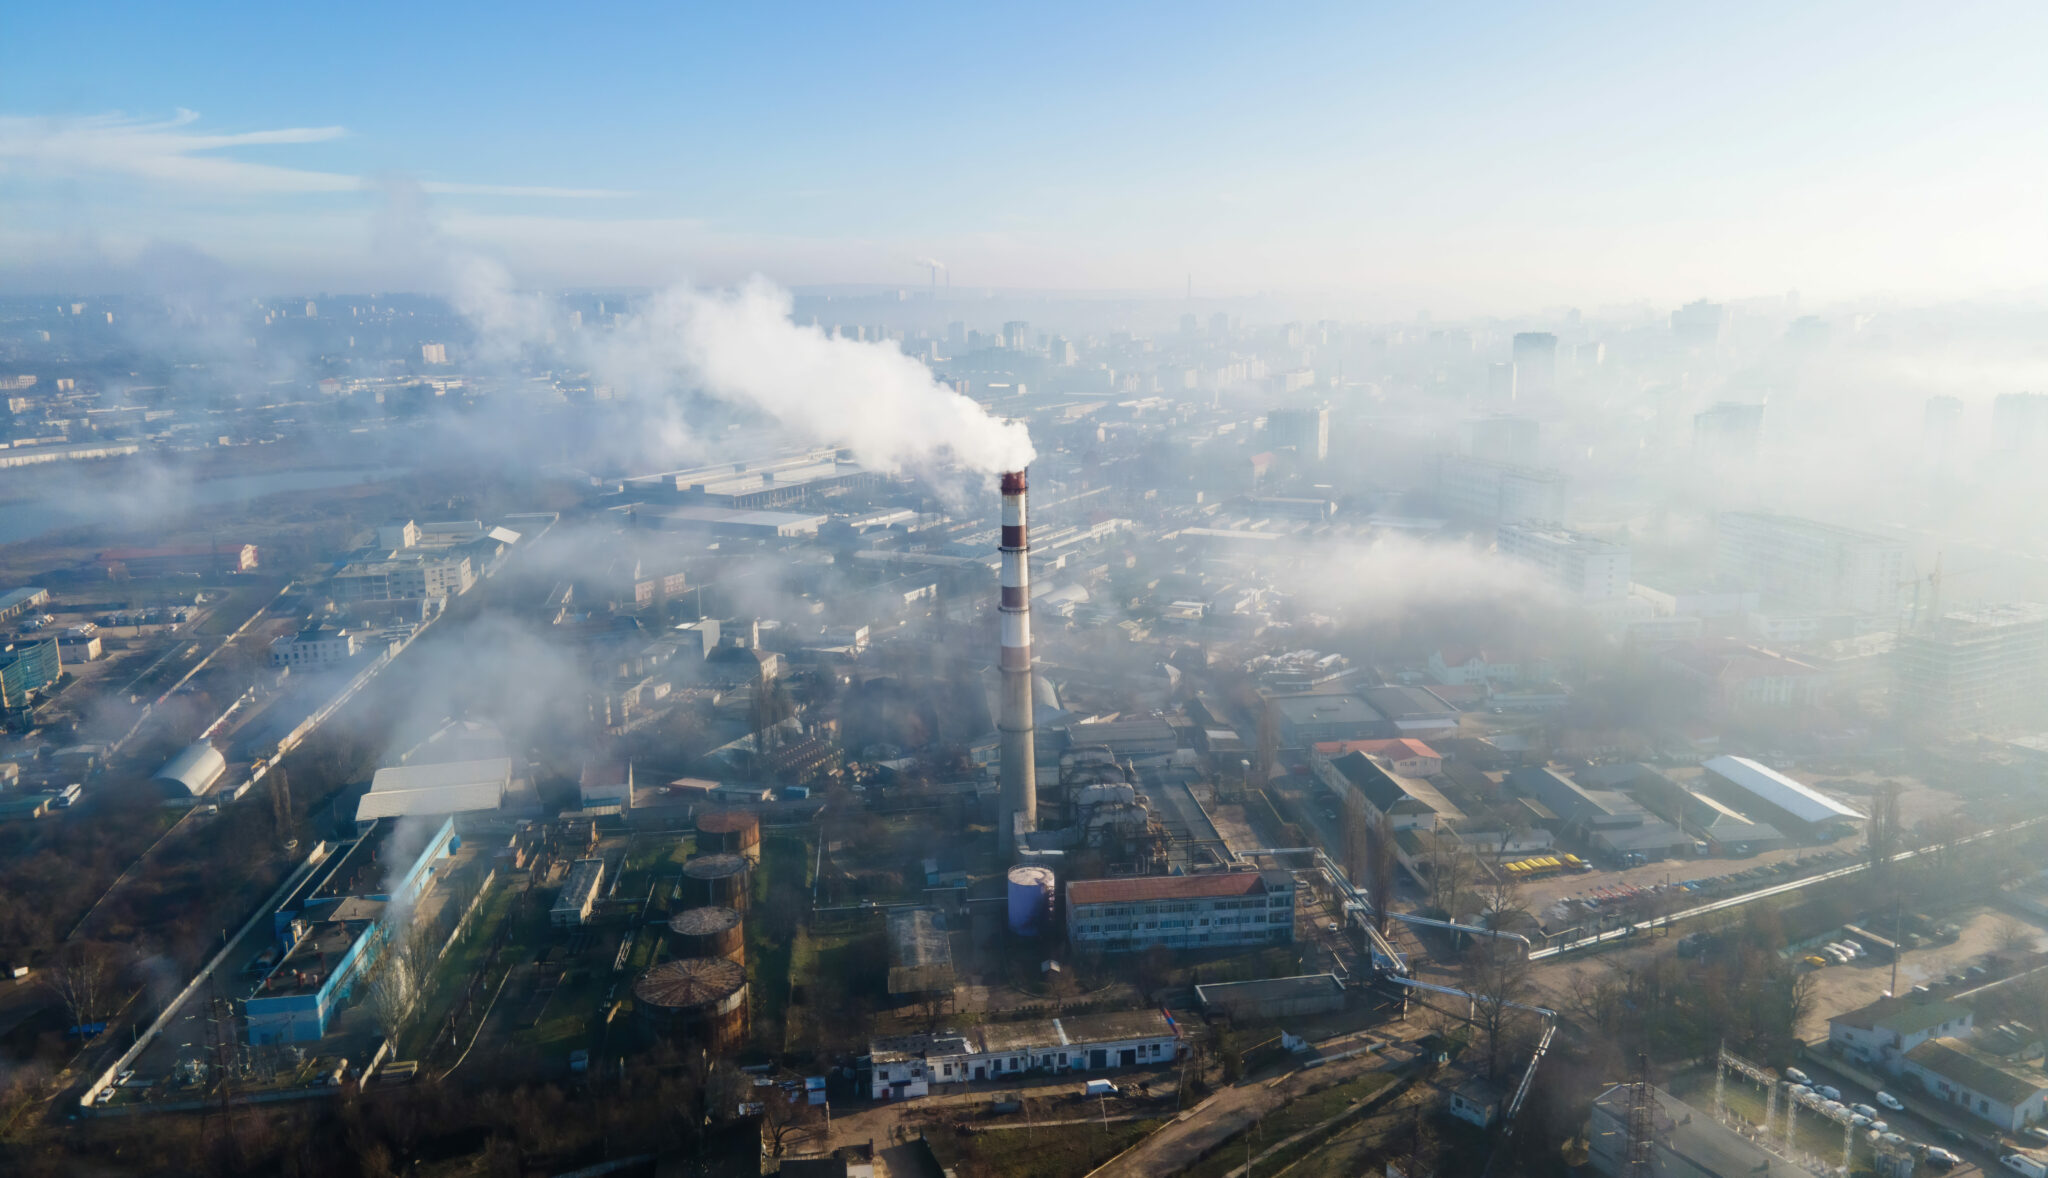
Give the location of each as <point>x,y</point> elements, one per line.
<point>1480,156</point>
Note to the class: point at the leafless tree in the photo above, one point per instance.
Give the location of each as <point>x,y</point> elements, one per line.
<point>785,1115</point>
<point>1501,897</point>
<point>1380,862</point>
<point>2012,936</point>
<point>1883,835</point>
<point>1450,869</point>
<point>85,976</point>
<point>1497,978</point>
<point>390,985</point>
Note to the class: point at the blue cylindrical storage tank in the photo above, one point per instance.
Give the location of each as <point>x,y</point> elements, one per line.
<point>1030,899</point>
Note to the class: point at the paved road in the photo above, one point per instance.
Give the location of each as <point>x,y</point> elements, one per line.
<point>1629,930</point>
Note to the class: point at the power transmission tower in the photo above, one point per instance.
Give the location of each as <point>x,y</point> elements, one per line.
<point>1642,1123</point>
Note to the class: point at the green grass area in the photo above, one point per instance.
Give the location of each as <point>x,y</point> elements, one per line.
<point>572,1013</point>
<point>1057,1151</point>
<point>774,916</point>
<point>1306,1112</point>
<point>659,855</point>
<point>453,972</point>
<point>838,980</point>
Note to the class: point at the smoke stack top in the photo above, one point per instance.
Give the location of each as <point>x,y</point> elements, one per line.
<point>1013,482</point>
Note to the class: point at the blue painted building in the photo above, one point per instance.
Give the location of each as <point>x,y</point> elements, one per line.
<point>333,928</point>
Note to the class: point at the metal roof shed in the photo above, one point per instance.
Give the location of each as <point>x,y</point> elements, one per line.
<point>1768,785</point>
<point>194,770</point>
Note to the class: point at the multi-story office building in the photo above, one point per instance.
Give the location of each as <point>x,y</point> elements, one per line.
<point>1807,563</point>
<point>1586,567</point>
<point>1983,671</point>
<point>1535,364</point>
<point>1181,911</point>
<point>403,577</point>
<point>1306,430</point>
<point>27,666</point>
<point>1476,489</point>
<point>314,646</point>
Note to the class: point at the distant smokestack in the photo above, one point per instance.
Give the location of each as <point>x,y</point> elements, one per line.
<point>1020,767</point>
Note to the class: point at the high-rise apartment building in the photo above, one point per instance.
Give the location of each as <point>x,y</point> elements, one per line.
<point>1475,489</point>
<point>1500,383</point>
<point>1813,565</point>
<point>1941,423</point>
<point>1535,364</point>
<point>2020,421</point>
<point>434,353</point>
<point>1730,432</point>
<point>1698,322</point>
<point>1307,430</point>
<point>1502,438</point>
<point>1585,567</point>
<point>1982,671</point>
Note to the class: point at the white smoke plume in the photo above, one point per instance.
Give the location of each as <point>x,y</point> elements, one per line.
<point>742,347</point>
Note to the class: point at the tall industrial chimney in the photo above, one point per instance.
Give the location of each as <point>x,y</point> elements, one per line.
<point>1020,767</point>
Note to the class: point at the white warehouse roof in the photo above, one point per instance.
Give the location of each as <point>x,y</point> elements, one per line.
<point>449,787</point>
<point>1802,802</point>
<point>196,767</point>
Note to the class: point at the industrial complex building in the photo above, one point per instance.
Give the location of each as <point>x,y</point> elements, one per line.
<point>1181,911</point>
<point>908,1066</point>
<point>330,931</point>
<point>1764,793</point>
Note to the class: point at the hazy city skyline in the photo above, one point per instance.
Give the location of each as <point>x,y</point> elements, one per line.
<point>1484,161</point>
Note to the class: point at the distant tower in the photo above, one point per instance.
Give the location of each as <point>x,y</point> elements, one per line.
<point>1535,364</point>
<point>1019,783</point>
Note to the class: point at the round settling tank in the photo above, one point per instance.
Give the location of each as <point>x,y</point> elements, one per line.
<point>1031,891</point>
<point>733,832</point>
<point>717,881</point>
<point>702,999</point>
<point>708,932</point>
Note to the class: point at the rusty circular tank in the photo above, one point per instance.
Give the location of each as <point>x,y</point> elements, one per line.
<point>708,932</point>
<point>716,880</point>
<point>730,831</point>
<point>699,998</point>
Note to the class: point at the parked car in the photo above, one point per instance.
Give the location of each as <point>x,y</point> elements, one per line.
<point>1941,1159</point>
<point>1866,1110</point>
<point>1797,1076</point>
<point>1828,1091</point>
<point>2036,1132</point>
<point>1891,1102</point>
<point>2020,1163</point>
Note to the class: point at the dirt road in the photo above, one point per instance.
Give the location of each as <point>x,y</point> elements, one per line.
<point>1230,1111</point>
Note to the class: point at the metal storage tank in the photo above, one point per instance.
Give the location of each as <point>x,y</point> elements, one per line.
<point>700,998</point>
<point>708,932</point>
<point>1031,891</point>
<point>730,831</point>
<point>716,881</point>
